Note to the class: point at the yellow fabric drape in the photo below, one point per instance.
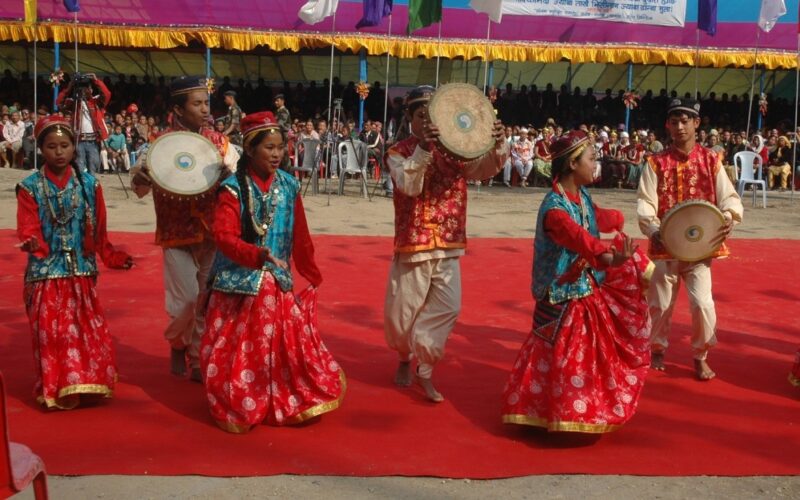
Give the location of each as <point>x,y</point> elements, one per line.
<point>398,46</point>
<point>30,11</point>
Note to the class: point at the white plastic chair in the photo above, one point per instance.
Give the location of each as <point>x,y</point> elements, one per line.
<point>311,160</point>
<point>353,159</point>
<point>748,161</point>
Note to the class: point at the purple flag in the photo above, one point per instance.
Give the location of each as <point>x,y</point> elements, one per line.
<point>72,5</point>
<point>374,11</point>
<point>707,16</point>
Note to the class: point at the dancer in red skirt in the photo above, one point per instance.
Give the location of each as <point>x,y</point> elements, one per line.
<point>261,354</point>
<point>61,223</point>
<point>583,366</point>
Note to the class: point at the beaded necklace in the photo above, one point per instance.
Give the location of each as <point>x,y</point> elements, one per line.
<point>271,196</point>
<point>584,215</point>
<point>63,215</point>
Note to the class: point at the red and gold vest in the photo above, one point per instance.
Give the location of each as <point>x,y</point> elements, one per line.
<point>184,221</point>
<point>437,218</point>
<point>681,178</point>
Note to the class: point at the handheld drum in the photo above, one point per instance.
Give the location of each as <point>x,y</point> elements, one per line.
<point>465,118</point>
<point>184,164</point>
<point>690,230</point>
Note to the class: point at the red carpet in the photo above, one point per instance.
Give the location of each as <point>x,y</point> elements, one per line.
<point>747,422</point>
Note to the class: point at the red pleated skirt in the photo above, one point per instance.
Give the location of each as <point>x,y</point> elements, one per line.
<point>263,360</point>
<point>72,347</point>
<point>586,374</point>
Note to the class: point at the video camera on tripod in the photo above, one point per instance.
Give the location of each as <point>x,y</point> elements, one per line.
<point>80,82</point>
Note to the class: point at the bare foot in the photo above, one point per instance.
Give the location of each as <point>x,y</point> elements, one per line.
<point>430,391</point>
<point>657,361</point>
<point>702,371</point>
<point>403,375</point>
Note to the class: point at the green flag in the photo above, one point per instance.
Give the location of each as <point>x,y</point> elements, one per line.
<point>423,13</point>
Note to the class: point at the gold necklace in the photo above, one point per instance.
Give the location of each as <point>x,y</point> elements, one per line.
<point>584,214</point>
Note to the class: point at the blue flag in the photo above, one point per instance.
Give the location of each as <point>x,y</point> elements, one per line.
<point>707,16</point>
<point>374,11</point>
<point>72,5</point>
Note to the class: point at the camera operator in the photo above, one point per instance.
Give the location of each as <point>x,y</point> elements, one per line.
<point>87,97</point>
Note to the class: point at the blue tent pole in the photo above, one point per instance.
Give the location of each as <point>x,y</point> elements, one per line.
<point>56,65</point>
<point>362,76</point>
<point>627,109</point>
<point>760,91</point>
<point>491,74</point>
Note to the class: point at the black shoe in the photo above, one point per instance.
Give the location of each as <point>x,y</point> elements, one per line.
<point>177,362</point>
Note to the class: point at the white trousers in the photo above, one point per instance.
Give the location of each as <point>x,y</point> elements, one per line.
<point>663,293</point>
<point>524,168</point>
<point>186,271</point>
<point>423,300</point>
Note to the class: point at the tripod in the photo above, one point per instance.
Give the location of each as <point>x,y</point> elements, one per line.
<point>332,141</point>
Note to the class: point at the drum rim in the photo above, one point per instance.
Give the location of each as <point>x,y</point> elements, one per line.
<point>154,176</point>
<point>448,147</point>
<point>668,217</point>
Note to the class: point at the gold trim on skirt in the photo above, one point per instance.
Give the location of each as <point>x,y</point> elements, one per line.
<point>560,426</point>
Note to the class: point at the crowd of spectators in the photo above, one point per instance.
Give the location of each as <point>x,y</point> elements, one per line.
<point>136,110</point>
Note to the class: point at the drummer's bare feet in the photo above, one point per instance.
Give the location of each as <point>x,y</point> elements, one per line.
<point>403,375</point>
<point>657,361</point>
<point>702,371</point>
<point>430,391</point>
<point>177,362</point>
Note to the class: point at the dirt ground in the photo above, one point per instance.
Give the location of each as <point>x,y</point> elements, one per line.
<point>493,212</point>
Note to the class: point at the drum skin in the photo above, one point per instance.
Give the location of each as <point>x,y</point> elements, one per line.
<point>689,230</point>
<point>184,163</point>
<point>465,119</point>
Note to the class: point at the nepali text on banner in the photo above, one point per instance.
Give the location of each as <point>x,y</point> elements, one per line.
<point>659,12</point>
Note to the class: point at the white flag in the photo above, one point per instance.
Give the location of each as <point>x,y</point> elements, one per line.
<point>771,10</point>
<point>492,7</point>
<point>315,11</point>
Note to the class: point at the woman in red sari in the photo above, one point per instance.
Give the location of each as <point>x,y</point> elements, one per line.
<point>61,223</point>
<point>583,366</point>
<point>261,354</point>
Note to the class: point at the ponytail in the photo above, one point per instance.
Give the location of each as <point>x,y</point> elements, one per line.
<point>248,229</point>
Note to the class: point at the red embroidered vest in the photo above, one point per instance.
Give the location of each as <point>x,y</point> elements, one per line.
<point>185,221</point>
<point>437,218</point>
<point>682,178</point>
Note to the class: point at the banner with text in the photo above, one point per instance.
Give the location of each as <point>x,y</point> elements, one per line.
<point>659,12</point>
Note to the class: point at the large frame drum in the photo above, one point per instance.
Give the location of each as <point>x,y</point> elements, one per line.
<point>184,164</point>
<point>690,230</point>
<point>465,118</point>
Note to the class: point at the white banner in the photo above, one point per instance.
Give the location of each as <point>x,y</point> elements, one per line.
<point>660,12</point>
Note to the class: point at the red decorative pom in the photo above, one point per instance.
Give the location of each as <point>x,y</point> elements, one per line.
<point>132,108</point>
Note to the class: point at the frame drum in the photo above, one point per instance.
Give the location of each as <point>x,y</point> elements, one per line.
<point>690,228</point>
<point>465,118</point>
<point>184,163</point>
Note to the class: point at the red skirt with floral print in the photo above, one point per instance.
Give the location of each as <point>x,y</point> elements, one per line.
<point>794,376</point>
<point>263,360</point>
<point>72,346</point>
<point>586,374</point>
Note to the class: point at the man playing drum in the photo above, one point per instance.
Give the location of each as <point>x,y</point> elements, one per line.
<point>183,227</point>
<point>423,295</point>
<point>684,171</point>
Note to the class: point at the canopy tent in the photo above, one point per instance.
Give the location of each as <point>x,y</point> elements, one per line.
<point>253,23</point>
<point>307,66</point>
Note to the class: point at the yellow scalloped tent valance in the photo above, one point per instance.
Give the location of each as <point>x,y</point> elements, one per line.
<point>403,47</point>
